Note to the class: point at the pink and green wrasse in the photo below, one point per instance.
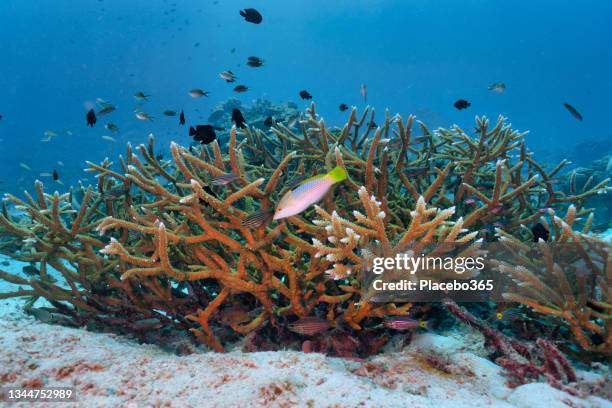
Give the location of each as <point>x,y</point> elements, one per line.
<point>309,192</point>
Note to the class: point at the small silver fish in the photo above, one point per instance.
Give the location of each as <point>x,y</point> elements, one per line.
<point>141,96</point>
<point>197,93</point>
<point>364,92</point>
<point>498,87</point>
<point>228,76</point>
<point>106,110</point>
<point>143,116</point>
<point>225,179</point>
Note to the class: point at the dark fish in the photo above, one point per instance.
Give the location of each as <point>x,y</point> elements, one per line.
<point>311,325</point>
<point>539,231</point>
<point>372,125</point>
<point>30,270</point>
<point>461,104</point>
<point>91,118</point>
<point>238,119</point>
<point>258,218</point>
<point>305,95</point>
<point>182,118</point>
<point>204,134</point>
<point>254,62</point>
<point>140,96</point>
<point>225,179</point>
<point>404,323</point>
<point>508,315</point>
<point>196,44</point>
<point>240,88</point>
<point>0,116</point>
<point>251,15</point>
<point>170,113</point>
<point>112,127</point>
<point>115,192</point>
<point>269,121</point>
<point>573,111</point>
<point>55,175</point>
<point>343,107</point>
<point>210,192</point>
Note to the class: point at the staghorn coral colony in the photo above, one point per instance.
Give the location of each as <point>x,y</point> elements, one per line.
<point>155,247</point>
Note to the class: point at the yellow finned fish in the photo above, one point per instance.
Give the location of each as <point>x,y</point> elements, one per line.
<point>311,191</point>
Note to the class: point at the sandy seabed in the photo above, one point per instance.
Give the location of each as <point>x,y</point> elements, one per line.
<point>112,371</point>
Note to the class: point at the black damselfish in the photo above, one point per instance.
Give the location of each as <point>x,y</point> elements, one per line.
<point>343,107</point>
<point>305,95</point>
<point>573,111</point>
<point>91,118</point>
<point>204,134</point>
<point>254,62</point>
<point>269,121</point>
<point>238,119</point>
<point>55,175</point>
<point>539,232</point>
<point>251,15</point>
<point>182,118</point>
<point>462,104</point>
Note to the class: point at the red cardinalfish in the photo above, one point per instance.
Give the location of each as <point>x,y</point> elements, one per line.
<point>309,326</point>
<point>402,323</point>
<point>309,192</point>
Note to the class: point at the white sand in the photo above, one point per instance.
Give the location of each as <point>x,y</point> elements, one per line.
<point>111,371</point>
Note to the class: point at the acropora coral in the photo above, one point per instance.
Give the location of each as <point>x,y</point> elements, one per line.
<point>153,245</point>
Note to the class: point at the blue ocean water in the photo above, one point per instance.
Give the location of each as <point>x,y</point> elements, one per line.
<point>415,56</point>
